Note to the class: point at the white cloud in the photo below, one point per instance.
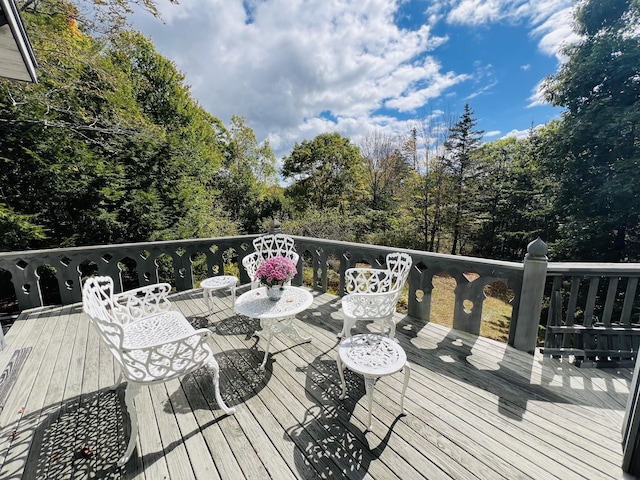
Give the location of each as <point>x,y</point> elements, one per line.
<point>555,32</point>
<point>492,133</point>
<point>550,20</point>
<point>519,134</point>
<point>279,62</point>
<point>282,63</point>
<point>522,134</point>
<point>537,97</point>
<point>479,12</point>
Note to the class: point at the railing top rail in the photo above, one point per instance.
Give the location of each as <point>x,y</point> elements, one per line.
<point>593,269</point>
<point>460,259</point>
<point>111,246</point>
<point>334,243</point>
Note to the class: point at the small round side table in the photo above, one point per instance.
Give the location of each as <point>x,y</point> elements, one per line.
<point>210,285</point>
<point>372,356</point>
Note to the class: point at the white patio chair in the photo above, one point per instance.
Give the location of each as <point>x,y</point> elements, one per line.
<point>373,293</point>
<point>151,343</point>
<point>268,246</point>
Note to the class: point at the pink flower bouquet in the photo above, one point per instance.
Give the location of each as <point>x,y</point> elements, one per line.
<point>276,271</point>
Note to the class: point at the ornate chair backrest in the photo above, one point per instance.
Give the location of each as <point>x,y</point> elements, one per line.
<point>275,245</point>
<point>98,304</point>
<point>367,280</point>
<point>400,265</point>
<point>251,263</point>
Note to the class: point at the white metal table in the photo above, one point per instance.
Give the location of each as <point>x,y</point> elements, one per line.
<point>210,285</point>
<point>372,356</point>
<point>275,316</point>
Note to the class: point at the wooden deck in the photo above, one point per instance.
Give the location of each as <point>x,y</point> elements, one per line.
<point>476,408</point>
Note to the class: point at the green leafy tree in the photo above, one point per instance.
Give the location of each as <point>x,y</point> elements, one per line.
<point>247,177</point>
<point>326,173</point>
<point>597,147</point>
<point>108,146</point>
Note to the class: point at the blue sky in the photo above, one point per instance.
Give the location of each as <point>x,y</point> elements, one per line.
<point>298,68</point>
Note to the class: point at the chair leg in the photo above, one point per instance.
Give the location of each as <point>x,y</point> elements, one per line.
<point>213,364</point>
<point>341,372</point>
<point>407,373</point>
<point>348,324</point>
<point>369,385</point>
<point>392,329</point>
<point>118,382</point>
<point>130,393</point>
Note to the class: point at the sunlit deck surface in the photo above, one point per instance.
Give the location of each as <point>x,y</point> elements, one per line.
<point>475,408</point>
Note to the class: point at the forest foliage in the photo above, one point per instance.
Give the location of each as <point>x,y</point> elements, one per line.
<point>111,147</point>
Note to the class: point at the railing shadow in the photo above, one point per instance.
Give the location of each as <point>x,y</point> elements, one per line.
<point>507,377</point>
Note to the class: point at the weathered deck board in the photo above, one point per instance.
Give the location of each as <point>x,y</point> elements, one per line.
<point>475,408</point>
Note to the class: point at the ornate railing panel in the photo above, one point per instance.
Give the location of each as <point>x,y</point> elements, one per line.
<point>69,265</point>
<point>469,293</point>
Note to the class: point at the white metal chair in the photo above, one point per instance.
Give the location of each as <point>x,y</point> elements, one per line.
<point>268,246</point>
<point>373,293</point>
<point>151,343</point>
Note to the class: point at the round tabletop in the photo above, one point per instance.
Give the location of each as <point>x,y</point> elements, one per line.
<point>256,304</point>
<point>221,281</point>
<point>371,354</point>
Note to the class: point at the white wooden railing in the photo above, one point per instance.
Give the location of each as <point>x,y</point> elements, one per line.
<point>583,323</point>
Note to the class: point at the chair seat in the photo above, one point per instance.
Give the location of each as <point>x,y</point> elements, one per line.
<point>161,347</point>
<point>156,329</point>
<point>369,306</point>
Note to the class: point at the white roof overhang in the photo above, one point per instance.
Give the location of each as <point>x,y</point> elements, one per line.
<point>17,60</point>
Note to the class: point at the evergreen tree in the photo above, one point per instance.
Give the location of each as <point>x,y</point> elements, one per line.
<point>462,165</point>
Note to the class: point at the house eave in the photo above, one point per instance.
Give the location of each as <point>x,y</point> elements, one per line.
<point>17,60</point>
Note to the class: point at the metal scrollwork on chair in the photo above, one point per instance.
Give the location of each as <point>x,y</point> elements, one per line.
<point>268,246</point>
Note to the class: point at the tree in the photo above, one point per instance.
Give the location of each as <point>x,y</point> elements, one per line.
<point>597,147</point>
<point>247,177</point>
<point>385,168</point>
<point>462,165</point>
<point>515,198</point>
<point>109,146</point>
<point>431,189</point>
<point>326,171</point>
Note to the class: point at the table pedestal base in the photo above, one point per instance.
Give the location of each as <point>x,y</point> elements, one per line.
<point>274,326</point>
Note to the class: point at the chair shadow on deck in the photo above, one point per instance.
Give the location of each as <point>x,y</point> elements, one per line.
<point>85,436</point>
<point>240,379</point>
<point>328,444</point>
<point>81,438</point>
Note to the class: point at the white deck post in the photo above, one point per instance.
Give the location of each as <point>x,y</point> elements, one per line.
<point>534,277</point>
